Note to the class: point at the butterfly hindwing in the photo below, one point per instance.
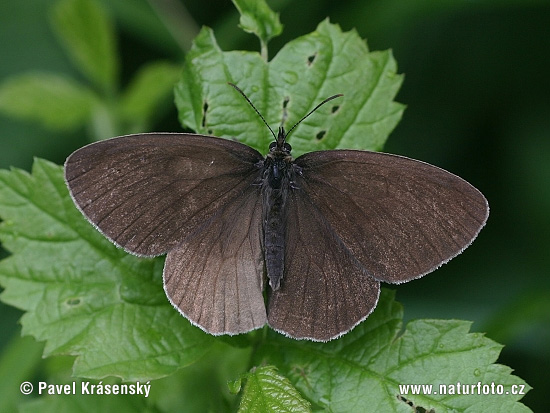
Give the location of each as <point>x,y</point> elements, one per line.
<point>216,278</point>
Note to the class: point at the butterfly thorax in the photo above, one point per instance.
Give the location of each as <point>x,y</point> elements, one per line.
<point>277,177</point>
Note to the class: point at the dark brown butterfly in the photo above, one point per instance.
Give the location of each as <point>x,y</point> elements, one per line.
<point>326,228</point>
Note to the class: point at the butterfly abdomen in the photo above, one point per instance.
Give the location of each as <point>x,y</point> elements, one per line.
<point>275,190</point>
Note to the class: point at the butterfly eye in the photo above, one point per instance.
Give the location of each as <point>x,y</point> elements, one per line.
<point>272,145</point>
<point>287,147</point>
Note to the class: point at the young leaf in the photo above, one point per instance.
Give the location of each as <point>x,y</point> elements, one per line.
<point>258,18</point>
<point>88,35</point>
<point>81,294</point>
<point>373,364</point>
<point>304,72</point>
<point>267,391</point>
<point>53,100</point>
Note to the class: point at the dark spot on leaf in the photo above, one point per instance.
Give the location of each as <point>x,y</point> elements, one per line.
<point>210,131</point>
<point>416,409</point>
<point>204,110</point>
<point>285,113</point>
<point>401,398</point>
<point>321,135</point>
<point>73,302</point>
<point>335,108</point>
<point>311,59</point>
<point>285,102</point>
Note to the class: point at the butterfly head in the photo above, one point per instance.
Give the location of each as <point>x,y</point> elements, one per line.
<point>280,147</point>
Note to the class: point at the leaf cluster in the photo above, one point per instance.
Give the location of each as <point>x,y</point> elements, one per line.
<point>60,102</point>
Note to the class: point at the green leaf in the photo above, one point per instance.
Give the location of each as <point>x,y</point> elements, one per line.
<point>53,100</point>
<point>267,391</point>
<point>367,366</point>
<point>18,362</point>
<point>259,19</point>
<point>88,35</point>
<point>305,71</point>
<point>152,85</point>
<point>81,294</point>
<point>235,385</point>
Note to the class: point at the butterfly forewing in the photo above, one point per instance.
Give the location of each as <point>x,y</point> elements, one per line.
<point>325,291</point>
<point>149,192</point>
<point>400,218</point>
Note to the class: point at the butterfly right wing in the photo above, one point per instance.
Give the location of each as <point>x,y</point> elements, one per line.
<point>400,218</point>
<point>192,196</point>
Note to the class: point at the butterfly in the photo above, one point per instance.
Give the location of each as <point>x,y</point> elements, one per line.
<point>316,235</point>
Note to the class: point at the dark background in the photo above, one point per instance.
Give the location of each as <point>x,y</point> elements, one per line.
<point>478,93</point>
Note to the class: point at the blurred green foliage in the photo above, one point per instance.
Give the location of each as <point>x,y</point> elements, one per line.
<point>477,93</point>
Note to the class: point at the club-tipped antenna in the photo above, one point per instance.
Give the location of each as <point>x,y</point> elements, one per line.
<point>297,123</point>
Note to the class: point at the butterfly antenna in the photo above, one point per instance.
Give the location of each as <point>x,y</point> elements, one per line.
<point>253,107</point>
<point>313,110</point>
<point>297,123</point>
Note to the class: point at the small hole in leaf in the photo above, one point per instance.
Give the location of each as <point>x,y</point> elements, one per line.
<point>204,110</point>
<point>401,398</point>
<point>285,102</point>
<point>73,302</point>
<point>321,135</point>
<point>285,113</point>
<point>417,409</point>
<point>311,59</point>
